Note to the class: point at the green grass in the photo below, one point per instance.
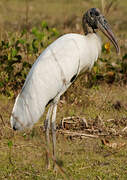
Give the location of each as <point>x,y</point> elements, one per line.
<point>22,154</point>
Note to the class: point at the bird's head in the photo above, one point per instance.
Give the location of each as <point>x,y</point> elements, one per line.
<point>93,20</point>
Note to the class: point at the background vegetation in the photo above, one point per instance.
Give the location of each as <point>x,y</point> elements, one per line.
<point>26,29</point>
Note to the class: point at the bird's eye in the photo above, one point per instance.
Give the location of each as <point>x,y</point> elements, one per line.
<point>91,13</point>
<point>105,21</point>
<point>96,13</point>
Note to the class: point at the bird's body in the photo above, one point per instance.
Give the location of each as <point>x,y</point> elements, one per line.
<point>53,72</point>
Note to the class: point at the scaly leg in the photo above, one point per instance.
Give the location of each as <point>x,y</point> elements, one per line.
<point>54,131</point>
<point>47,138</point>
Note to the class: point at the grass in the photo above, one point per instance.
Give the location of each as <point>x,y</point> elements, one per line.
<point>22,154</point>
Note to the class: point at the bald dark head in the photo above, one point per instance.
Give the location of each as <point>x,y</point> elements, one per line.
<point>93,20</point>
<point>91,17</point>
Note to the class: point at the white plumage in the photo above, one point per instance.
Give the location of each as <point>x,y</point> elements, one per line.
<point>55,70</point>
<point>51,75</point>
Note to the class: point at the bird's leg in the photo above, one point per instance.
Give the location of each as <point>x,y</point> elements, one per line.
<point>47,128</point>
<point>53,123</point>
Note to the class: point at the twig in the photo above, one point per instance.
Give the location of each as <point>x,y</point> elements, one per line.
<point>98,178</point>
<point>92,130</point>
<point>64,120</point>
<point>124,129</point>
<point>85,122</point>
<point>110,120</point>
<point>2,119</point>
<point>77,134</point>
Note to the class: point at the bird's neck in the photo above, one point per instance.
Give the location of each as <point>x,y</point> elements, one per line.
<point>91,34</point>
<point>95,41</point>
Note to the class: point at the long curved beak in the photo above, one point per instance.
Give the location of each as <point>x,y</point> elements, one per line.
<point>106,29</point>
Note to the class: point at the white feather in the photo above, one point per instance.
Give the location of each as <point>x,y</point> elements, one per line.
<point>51,74</point>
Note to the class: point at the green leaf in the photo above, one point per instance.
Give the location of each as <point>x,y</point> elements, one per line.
<point>44,25</point>
<point>54,32</point>
<point>23,32</point>
<point>4,44</point>
<point>124,57</point>
<point>35,45</point>
<point>35,31</point>
<point>10,144</point>
<point>22,41</point>
<point>1,84</point>
<point>14,52</point>
<point>26,64</point>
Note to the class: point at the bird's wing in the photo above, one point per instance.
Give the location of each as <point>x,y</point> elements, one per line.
<point>50,75</point>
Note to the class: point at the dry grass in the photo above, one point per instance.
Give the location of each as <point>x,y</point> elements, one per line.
<point>82,158</point>
<point>22,154</point>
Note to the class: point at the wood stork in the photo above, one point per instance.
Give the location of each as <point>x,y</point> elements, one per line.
<point>55,70</point>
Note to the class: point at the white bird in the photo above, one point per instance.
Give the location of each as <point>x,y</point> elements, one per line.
<point>55,70</point>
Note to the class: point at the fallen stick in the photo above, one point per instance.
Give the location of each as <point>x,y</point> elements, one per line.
<point>77,134</point>
<point>67,120</point>
<point>124,129</point>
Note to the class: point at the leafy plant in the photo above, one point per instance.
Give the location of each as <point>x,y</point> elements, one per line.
<point>107,70</point>
<point>17,53</point>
